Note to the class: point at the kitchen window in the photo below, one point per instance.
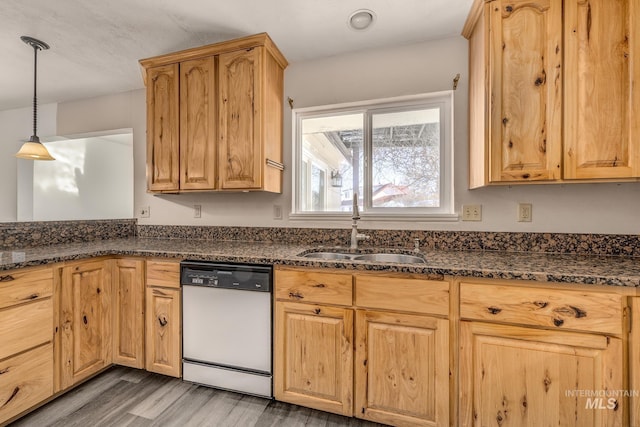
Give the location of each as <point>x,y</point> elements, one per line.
<point>396,154</point>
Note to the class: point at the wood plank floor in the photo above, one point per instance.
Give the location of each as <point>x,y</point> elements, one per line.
<point>129,397</point>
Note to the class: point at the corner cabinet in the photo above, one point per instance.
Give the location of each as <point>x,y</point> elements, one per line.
<point>544,110</point>
<point>214,117</point>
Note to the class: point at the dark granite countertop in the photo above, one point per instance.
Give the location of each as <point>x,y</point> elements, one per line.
<point>597,270</point>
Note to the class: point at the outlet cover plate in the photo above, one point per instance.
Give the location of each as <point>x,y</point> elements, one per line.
<point>472,212</point>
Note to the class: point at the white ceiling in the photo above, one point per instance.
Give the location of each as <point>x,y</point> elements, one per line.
<point>96,44</point>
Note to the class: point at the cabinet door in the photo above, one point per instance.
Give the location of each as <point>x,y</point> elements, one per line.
<point>163,164</point>
<point>314,356</point>
<point>25,381</point>
<point>198,124</point>
<point>128,292</point>
<point>526,89</point>
<point>402,369</point>
<point>163,331</point>
<point>602,73</point>
<point>85,320</point>
<point>240,126</point>
<point>533,377</point>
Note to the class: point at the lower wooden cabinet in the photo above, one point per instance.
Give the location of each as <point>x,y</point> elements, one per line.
<point>519,376</point>
<point>163,332</point>
<point>390,366</point>
<point>402,369</point>
<point>314,356</point>
<point>163,328</point>
<point>25,380</point>
<point>128,312</point>
<point>85,321</point>
<point>26,339</point>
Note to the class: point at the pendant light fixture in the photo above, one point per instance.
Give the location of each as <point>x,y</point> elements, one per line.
<point>33,149</point>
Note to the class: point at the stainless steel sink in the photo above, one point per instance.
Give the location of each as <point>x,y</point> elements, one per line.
<point>379,257</point>
<point>328,255</point>
<point>401,258</point>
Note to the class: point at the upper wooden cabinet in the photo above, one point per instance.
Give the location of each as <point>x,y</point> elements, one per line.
<point>197,124</point>
<point>214,117</point>
<point>544,111</point>
<point>162,128</point>
<point>602,73</point>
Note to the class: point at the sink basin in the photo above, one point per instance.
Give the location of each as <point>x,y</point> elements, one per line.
<point>380,257</point>
<point>327,255</point>
<point>401,258</point>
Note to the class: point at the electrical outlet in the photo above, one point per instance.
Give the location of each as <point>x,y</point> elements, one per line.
<point>277,212</point>
<point>197,211</point>
<point>144,212</point>
<point>525,212</point>
<point>472,212</point>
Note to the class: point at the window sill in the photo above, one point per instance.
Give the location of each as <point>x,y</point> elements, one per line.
<point>313,216</point>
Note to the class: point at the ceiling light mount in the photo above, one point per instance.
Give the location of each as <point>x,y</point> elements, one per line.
<point>361,19</point>
<point>33,149</point>
<point>34,43</point>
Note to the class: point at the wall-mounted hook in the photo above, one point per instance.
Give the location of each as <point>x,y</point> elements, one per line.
<point>456,79</point>
<point>290,102</point>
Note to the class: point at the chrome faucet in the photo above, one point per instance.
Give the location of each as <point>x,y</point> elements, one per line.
<point>355,236</point>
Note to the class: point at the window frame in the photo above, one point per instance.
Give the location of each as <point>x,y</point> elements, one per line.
<point>442,100</point>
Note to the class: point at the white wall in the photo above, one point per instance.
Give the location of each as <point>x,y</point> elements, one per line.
<point>404,70</point>
<point>91,178</point>
<point>16,126</point>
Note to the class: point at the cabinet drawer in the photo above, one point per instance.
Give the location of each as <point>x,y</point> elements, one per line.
<point>314,286</point>
<point>558,309</point>
<point>25,326</point>
<point>399,294</point>
<point>25,381</point>
<point>20,286</point>
<point>163,273</point>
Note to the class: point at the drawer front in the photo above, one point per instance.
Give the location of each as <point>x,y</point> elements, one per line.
<point>314,287</point>
<point>163,273</point>
<point>19,286</point>
<point>558,309</point>
<point>25,381</point>
<point>398,294</point>
<point>25,326</point>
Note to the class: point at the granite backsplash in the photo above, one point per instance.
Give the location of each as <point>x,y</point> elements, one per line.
<point>46,233</point>
<point>564,243</point>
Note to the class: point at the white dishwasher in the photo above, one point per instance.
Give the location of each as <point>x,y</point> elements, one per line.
<point>226,326</point>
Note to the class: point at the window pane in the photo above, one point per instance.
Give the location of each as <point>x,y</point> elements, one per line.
<point>406,159</point>
<point>333,147</point>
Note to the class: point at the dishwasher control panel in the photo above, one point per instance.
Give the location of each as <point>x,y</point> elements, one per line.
<point>226,276</point>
